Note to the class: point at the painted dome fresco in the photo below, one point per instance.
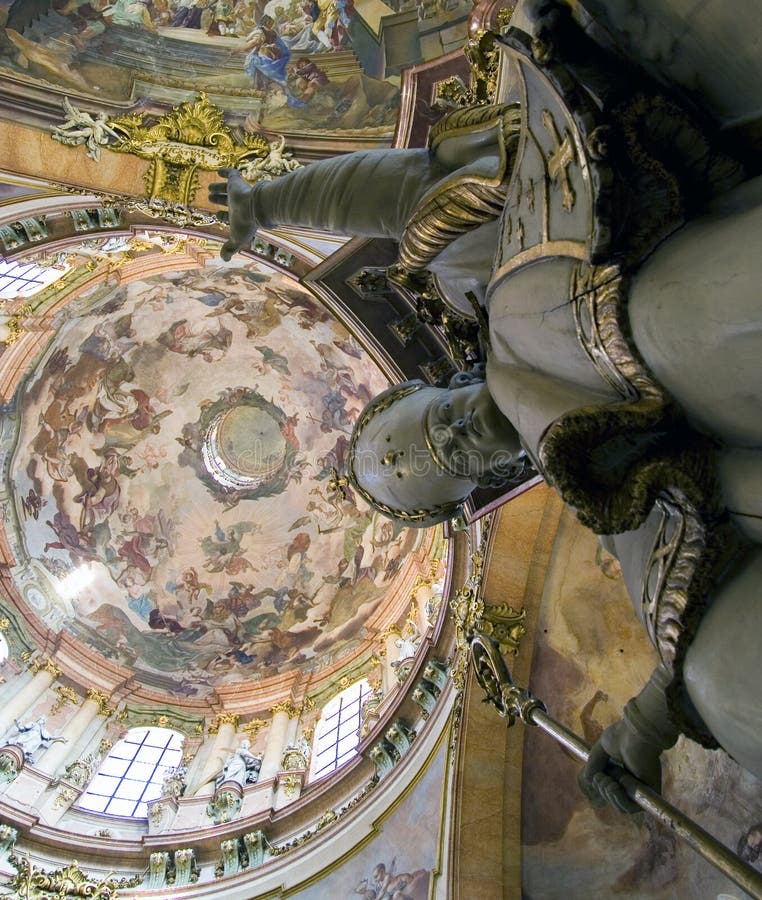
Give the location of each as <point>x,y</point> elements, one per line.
<point>175,473</point>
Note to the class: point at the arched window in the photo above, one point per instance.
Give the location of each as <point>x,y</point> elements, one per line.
<point>22,279</point>
<point>133,772</point>
<point>336,734</point>
<point>3,648</point>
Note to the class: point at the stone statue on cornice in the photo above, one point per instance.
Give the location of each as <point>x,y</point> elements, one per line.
<point>32,737</point>
<point>242,766</point>
<point>621,282</point>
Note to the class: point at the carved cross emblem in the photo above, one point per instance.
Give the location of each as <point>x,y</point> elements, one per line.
<point>559,160</point>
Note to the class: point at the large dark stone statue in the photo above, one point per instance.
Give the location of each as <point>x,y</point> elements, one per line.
<point>614,242</point>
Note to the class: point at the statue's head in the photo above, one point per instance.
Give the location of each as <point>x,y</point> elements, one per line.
<point>417,452</point>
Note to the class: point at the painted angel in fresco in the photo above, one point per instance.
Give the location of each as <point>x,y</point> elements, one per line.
<point>334,460</point>
<point>190,585</point>
<point>401,886</point>
<point>100,491</point>
<point>223,549</point>
<point>272,360</point>
<point>306,78</point>
<point>209,344</point>
<point>259,316</point>
<point>69,539</point>
<point>327,509</point>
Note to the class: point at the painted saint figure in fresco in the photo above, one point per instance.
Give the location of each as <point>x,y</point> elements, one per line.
<point>268,58</point>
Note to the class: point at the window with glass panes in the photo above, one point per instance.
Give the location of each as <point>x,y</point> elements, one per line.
<point>3,648</point>
<point>133,772</point>
<point>22,279</point>
<point>336,735</point>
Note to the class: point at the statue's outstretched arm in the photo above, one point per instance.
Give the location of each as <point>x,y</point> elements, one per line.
<point>635,744</point>
<point>368,193</point>
<point>236,194</point>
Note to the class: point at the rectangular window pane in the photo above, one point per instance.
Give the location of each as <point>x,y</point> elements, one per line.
<point>121,807</point>
<point>93,803</point>
<point>140,771</point>
<point>113,766</point>
<point>152,792</point>
<point>103,784</point>
<point>150,754</point>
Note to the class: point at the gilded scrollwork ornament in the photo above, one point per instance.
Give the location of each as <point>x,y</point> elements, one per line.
<point>192,137</point>
<point>32,883</point>
<point>484,61</point>
<point>472,616</point>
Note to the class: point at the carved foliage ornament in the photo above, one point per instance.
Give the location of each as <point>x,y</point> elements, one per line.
<point>472,616</point>
<point>192,136</point>
<point>31,883</point>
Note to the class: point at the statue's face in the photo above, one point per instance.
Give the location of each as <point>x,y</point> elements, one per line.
<point>428,448</point>
<point>468,433</point>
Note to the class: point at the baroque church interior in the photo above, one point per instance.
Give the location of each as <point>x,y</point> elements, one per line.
<point>225,671</point>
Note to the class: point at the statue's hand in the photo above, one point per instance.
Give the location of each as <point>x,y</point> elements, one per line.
<point>619,751</point>
<point>234,193</point>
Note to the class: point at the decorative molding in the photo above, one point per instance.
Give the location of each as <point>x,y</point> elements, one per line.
<point>32,883</point>
<point>66,695</point>
<point>11,762</point>
<point>253,727</point>
<point>161,716</point>
<point>472,616</point>
<point>102,700</point>
<point>288,707</point>
<point>226,803</point>
<point>191,137</point>
<point>223,719</point>
<point>43,664</point>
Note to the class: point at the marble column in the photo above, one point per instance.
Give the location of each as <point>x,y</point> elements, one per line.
<point>277,738</point>
<point>224,741</point>
<point>15,707</point>
<point>58,754</point>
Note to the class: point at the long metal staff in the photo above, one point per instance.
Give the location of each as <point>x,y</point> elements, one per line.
<point>514,702</point>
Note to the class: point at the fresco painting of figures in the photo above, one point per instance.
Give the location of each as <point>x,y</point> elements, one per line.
<point>295,65</point>
<point>400,862</point>
<point>145,557</point>
<point>569,849</point>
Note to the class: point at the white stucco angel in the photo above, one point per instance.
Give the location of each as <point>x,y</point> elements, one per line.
<point>83,128</point>
<point>277,162</point>
<point>32,736</point>
<point>408,641</point>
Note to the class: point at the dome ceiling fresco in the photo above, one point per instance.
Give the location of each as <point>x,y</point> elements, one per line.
<point>173,473</point>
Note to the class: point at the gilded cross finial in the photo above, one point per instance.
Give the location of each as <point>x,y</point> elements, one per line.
<point>560,159</point>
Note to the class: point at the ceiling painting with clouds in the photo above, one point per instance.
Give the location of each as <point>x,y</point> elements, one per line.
<point>174,474</point>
